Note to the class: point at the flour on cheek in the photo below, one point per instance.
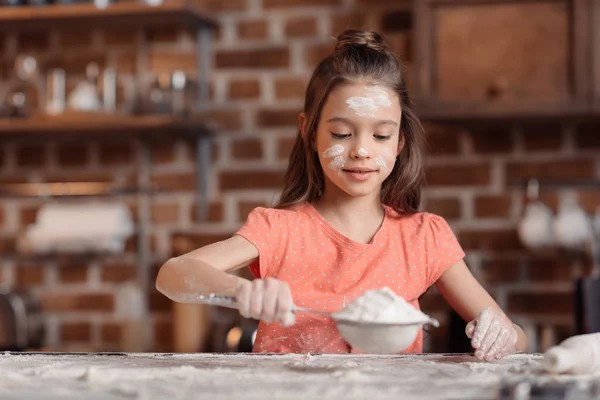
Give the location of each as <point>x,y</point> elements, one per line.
<point>335,152</point>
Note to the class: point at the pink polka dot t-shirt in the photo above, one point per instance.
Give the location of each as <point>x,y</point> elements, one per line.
<point>326,270</point>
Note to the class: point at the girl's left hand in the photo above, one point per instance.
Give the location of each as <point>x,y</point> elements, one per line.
<point>492,335</point>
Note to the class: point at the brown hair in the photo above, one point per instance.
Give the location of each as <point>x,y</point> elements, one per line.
<point>358,55</point>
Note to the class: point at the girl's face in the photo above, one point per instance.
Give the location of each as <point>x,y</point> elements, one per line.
<point>358,137</point>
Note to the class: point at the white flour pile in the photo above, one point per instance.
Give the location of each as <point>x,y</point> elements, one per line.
<point>382,306</point>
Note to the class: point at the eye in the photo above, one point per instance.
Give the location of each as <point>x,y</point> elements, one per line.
<point>340,135</point>
<point>382,137</point>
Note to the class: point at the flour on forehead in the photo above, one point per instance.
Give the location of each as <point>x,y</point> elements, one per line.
<point>368,105</point>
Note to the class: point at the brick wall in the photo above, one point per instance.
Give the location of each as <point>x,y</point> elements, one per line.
<point>265,52</point>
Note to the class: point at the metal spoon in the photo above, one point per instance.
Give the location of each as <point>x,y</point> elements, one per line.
<point>368,336</point>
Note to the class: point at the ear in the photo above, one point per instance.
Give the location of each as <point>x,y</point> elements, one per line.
<point>401,143</point>
<point>302,121</point>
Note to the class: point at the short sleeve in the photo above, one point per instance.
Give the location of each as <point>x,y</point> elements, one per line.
<point>443,249</point>
<point>260,229</point>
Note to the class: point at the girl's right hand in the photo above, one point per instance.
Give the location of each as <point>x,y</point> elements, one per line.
<point>269,300</point>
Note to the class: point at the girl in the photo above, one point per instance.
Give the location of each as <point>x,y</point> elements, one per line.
<point>346,222</point>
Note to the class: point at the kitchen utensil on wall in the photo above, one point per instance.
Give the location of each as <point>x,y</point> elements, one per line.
<point>572,226</point>
<point>85,96</point>
<point>56,87</point>
<point>535,228</point>
<point>20,323</point>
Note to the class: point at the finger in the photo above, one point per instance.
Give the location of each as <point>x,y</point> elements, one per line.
<point>256,299</point>
<point>284,306</point>
<point>498,345</point>
<point>490,337</point>
<point>270,295</point>
<point>483,324</point>
<point>243,299</point>
<point>511,343</point>
<point>470,328</point>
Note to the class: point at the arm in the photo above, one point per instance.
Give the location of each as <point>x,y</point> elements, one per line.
<point>473,303</point>
<point>205,270</point>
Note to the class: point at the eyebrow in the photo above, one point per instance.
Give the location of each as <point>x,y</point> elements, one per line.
<point>349,122</point>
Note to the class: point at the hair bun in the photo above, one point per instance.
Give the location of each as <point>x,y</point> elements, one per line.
<point>356,37</point>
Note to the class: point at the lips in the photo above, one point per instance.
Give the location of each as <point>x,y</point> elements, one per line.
<point>359,170</point>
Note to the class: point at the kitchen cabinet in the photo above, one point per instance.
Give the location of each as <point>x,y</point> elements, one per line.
<point>499,58</point>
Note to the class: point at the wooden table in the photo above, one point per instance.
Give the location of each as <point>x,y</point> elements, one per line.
<point>252,376</point>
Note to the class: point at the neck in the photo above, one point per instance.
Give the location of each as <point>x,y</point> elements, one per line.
<point>336,202</point>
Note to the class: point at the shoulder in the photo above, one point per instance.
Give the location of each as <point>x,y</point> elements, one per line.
<point>420,223</point>
<point>273,215</point>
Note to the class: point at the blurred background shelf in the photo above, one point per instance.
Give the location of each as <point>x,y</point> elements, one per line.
<point>72,190</point>
<point>129,15</point>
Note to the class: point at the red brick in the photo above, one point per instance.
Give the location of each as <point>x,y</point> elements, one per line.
<point>475,174</point>
<point>587,135</point>
<point>589,200</point>
<point>159,302</point>
<point>31,156</point>
<point>33,41</point>
<point>299,3</point>
<point>215,212</point>
<point>77,176</point>
<point>182,242</point>
<point>73,273</point>
<point>253,29</point>
<point>498,271</point>
<point>8,244</point>
<point>176,181</point>
<point>230,180</point>
<point>73,155</point>
<point>354,20</point>
<point>315,54</point>
<point>244,89</point>
<point>396,20</point>
<point>542,136</point>
<point>29,275</point>
<point>118,273</point>
<point>493,206</point>
<point>76,331</point>
<point>165,213</point>
<point>116,153</point>
<point>565,169</point>
<point>285,146</point>
<point>276,118</point>
<point>549,303</point>
<point>553,269</point>
<point>550,199</point>
<point>168,61</point>
<point>448,208</point>
<point>226,119</point>
<point>288,88</point>
<point>491,140</point>
<point>220,6</point>
<point>247,149</point>
<point>276,57</point>
<point>440,140</point>
<point>244,208</point>
<point>163,333</point>
<point>110,332</point>
<point>301,27</point>
<point>496,240</point>
<point>77,302</point>
<point>2,218</point>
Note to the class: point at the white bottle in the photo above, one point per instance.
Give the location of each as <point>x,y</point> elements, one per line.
<point>575,355</point>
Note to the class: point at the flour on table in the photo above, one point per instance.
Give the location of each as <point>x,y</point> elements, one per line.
<point>382,306</point>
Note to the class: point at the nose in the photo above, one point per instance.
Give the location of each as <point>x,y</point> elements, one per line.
<point>360,152</point>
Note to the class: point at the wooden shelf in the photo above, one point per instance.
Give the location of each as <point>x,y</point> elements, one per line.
<point>106,125</point>
<point>72,190</point>
<point>131,14</point>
